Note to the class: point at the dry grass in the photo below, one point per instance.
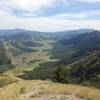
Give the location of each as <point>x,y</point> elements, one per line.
<point>30,89</point>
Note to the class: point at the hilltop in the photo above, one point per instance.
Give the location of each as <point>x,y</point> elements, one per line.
<point>37,89</point>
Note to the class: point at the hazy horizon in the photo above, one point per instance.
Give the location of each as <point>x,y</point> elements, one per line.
<point>50,15</point>
<point>79,29</point>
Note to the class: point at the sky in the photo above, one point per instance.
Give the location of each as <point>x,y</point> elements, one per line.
<point>49,15</point>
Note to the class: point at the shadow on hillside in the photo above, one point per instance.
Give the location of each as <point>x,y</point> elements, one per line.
<point>46,71</point>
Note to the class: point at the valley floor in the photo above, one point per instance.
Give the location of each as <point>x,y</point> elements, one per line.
<point>31,60</point>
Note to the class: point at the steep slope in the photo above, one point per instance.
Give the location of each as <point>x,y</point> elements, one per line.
<point>84,44</point>
<point>44,71</point>
<point>5,62</point>
<point>71,33</point>
<point>85,71</point>
<point>20,44</point>
<point>3,56</point>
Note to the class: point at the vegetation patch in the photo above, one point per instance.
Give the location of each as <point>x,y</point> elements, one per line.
<point>85,71</point>
<point>5,80</point>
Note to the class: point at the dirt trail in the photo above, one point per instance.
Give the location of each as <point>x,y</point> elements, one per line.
<point>39,52</point>
<point>38,94</point>
<point>57,97</point>
<point>51,96</point>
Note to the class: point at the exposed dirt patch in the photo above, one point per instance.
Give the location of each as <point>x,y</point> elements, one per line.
<point>49,96</point>
<point>57,97</point>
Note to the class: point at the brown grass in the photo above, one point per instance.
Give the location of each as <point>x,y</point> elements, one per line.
<point>38,87</point>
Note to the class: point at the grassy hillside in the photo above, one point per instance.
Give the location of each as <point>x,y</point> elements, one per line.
<point>44,71</point>
<point>5,62</point>
<point>37,89</point>
<point>84,44</point>
<point>40,59</point>
<point>7,79</point>
<point>3,57</point>
<point>62,51</point>
<point>85,71</point>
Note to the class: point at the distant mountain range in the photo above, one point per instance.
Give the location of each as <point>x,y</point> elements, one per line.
<point>84,43</point>
<point>63,34</point>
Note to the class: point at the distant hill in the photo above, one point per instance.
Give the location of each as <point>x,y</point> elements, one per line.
<point>5,62</point>
<point>82,39</point>
<point>13,31</point>
<point>71,33</point>
<point>84,44</point>
<point>57,35</point>
<point>17,37</point>
<point>3,57</point>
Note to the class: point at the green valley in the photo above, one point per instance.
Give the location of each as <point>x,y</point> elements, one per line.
<point>63,63</point>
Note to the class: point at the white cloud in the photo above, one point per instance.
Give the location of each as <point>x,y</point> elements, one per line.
<point>45,23</point>
<point>54,23</point>
<point>71,15</point>
<point>79,15</point>
<point>89,1</point>
<point>35,6</point>
<point>30,5</point>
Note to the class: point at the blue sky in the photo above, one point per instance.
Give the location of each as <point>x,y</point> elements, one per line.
<point>50,15</point>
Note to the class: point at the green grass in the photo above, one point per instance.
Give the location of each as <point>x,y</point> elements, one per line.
<point>29,61</point>
<point>85,71</point>
<point>45,70</point>
<point>61,51</point>
<point>5,80</point>
<point>41,64</point>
